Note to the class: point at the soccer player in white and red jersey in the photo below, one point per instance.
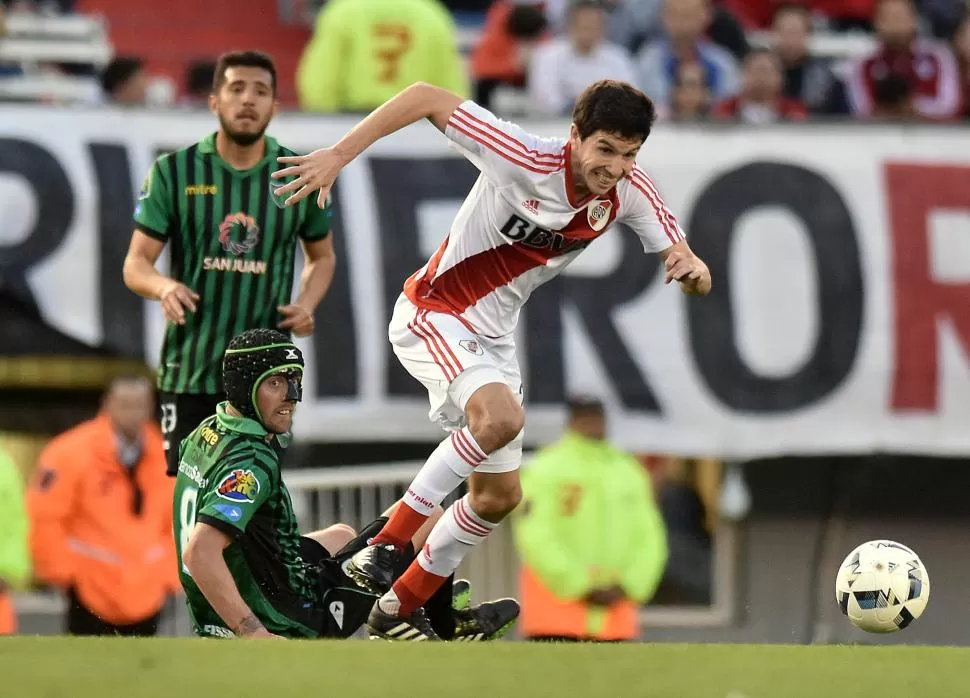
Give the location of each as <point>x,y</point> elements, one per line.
<point>536,205</point>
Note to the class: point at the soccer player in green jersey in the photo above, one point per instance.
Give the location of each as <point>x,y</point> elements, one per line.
<point>232,245</point>
<point>245,568</point>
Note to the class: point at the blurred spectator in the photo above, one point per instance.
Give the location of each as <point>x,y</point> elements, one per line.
<point>100,506</point>
<point>761,100</point>
<point>928,66</point>
<point>14,558</point>
<point>690,100</point>
<point>943,16</point>
<point>562,68</point>
<point>893,99</point>
<point>839,14</point>
<point>502,54</point>
<point>590,535</point>
<point>125,82</point>
<point>199,78</point>
<point>807,79</point>
<point>363,52</point>
<point>687,577</point>
<point>961,50</point>
<point>685,24</point>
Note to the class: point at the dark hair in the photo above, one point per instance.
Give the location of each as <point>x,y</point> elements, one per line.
<point>584,404</point>
<point>892,91</point>
<point>119,71</point>
<point>614,107</point>
<point>526,22</point>
<point>248,59</point>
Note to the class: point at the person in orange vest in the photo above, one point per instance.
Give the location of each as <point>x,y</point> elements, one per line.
<point>14,559</point>
<point>100,507</point>
<point>591,538</point>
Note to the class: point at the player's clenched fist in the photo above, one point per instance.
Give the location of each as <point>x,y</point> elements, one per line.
<point>313,172</point>
<point>689,271</point>
<point>176,298</point>
<point>297,319</point>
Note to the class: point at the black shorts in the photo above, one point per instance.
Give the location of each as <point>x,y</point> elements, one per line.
<point>179,415</point>
<point>342,605</point>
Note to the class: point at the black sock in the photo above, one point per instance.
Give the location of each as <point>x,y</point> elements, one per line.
<point>440,612</point>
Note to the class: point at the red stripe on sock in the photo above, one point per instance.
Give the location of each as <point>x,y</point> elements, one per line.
<point>465,521</point>
<point>466,441</point>
<point>462,451</point>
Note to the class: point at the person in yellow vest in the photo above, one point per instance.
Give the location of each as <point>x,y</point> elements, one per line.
<point>14,555</point>
<point>591,538</point>
<point>363,52</point>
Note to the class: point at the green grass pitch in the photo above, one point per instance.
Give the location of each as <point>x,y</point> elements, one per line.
<point>186,668</point>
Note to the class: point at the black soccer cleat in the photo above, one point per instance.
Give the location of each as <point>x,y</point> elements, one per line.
<point>412,628</point>
<point>373,568</point>
<point>486,621</point>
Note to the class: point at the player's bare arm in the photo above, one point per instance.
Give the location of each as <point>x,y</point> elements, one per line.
<point>318,170</point>
<point>319,262</point>
<point>687,269</point>
<point>203,558</point>
<point>143,278</point>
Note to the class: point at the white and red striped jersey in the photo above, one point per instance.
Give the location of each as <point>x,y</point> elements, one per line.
<point>520,225</point>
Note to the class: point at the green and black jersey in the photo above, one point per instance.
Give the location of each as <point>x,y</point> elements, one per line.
<point>231,244</point>
<point>229,477</point>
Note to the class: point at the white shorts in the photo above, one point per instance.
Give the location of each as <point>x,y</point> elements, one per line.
<point>453,362</point>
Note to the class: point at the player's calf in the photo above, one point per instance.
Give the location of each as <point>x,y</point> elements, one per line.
<point>493,496</point>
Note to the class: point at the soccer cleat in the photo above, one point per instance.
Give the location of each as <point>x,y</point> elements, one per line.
<point>487,621</point>
<point>373,568</point>
<point>461,594</point>
<point>412,628</point>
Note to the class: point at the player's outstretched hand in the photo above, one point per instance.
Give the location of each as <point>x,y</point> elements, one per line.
<point>176,298</point>
<point>314,172</point>
<point>297,319</point>
<point>689,271</point>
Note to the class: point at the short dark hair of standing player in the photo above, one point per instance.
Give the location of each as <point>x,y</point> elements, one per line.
<point>244,114</point>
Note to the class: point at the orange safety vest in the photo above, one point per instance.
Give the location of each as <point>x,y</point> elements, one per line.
<point>544,614</point>
<point>84,532</point>
<point>8,619</point>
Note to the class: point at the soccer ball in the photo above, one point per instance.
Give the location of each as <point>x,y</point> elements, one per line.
<point>882,586</point>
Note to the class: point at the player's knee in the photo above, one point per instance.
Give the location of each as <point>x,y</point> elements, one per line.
<point>497,500</point>
<point>345,530</point>
<point>495,427</point>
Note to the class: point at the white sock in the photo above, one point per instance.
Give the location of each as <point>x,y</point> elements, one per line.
<point>452,538</point>
<point>448,466</point>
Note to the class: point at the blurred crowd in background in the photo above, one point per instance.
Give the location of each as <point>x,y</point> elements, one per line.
<point>750,60</point>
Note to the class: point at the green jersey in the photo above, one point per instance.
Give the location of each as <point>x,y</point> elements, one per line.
<point>229,477</point>
<point>231,244</point>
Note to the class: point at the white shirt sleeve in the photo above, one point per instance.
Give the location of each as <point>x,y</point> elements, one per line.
<point>644,211</point>
<point>498,148</point>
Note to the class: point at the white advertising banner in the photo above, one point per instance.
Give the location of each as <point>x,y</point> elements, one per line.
<point>839,320</point>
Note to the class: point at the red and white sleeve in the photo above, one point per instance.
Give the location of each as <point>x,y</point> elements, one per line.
<point>500,148</point>
<point>644,211</point>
